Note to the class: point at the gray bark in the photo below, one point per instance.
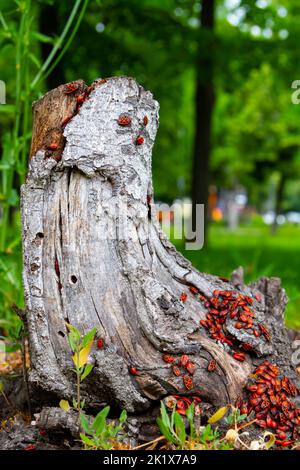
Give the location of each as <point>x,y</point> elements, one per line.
<point>95,256</point>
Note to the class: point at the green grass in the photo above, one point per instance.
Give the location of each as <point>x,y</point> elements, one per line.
<point>260,253</point>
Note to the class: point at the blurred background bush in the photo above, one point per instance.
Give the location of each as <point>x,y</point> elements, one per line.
<point>222,71</point>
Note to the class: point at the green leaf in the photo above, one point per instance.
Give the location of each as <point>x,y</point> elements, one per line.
<point>74,337</point>
<point>34,59</point>
<point>180,428</point>
<point>241,417</point>
<point>71,342</point>
<point>166,431</point>
<point>42,37</point>
<point>87,370</point>
<point>164,415</point>
<point>100,420</point>
<point>207,434</point>
<point>123,417</point>
<point>12,347</point>
<point>84,423</point>
<point>73,330</point>
<point>172,417</point>
<point>7,108</point>
<point>1,386</point>
<point>13,198</point>
<point>64,405</point>
<point>88,338</point>
<point>87,440</point>
<point>190,413</point>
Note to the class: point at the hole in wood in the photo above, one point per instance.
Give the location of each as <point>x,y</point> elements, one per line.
<point>34,267</point>
<point>40,235</point>
<point>74,279</point>
<point>61,333</point>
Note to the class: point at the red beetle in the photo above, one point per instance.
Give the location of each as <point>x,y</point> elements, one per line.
<point>30,447</point>
<point>194,290</point>
<point>71,88</point>
<point>190,367</point>
<point>265,331</point>
<point>212,365</point>
<point>124,120</point>
<point>239,356</point>
<point>188,382</point>
<point>52,146</point>
<point>176,371</point>
<point>184,360</point>
<point>139,140</point>
<point>66,120</point>
<point>168,358</point>
<point>183,297</point>
<point>80,99</point>
<point>133,371</point>
<point>261,423</point>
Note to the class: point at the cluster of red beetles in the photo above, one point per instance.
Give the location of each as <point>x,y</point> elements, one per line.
<point>81,96</point>
<point>228,303</point>
<point>269,397</point>
<point>182,403</point>
<point>70,88</point>
<point>74,88</point>
<point>125,120</point>
<point>182,367</point>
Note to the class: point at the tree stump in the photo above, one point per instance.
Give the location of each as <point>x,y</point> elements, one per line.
<point>95,256</point>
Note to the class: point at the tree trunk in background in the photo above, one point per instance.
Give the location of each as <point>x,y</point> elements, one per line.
<point>49,25</point>
<point>278,200</point>
<point>204,102</point>
<point>95,256</point>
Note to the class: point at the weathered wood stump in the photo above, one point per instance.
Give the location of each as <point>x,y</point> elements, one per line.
<point>95,256</point>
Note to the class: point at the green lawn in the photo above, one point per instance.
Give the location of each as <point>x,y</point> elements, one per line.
<point>260,253</point>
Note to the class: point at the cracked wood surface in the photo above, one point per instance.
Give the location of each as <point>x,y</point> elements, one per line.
<point>95,256</point>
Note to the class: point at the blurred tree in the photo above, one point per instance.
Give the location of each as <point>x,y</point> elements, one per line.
<point>262,134</point>
<point>50,26</point>
<point>204,102</point>
<point>170,51</point>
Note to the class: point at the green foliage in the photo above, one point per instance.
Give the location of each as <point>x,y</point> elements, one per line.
<point>24,73</point>
<point>14,334</point>
<point>173,428</point>
<point>80,346</point>
<point>235,417</point>
<point>101,435</point>
<point>11,285</point>
<point>262,126</point>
